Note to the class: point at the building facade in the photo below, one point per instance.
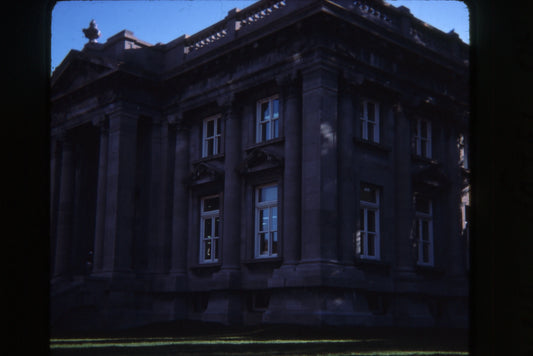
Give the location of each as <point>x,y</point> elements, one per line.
<point>297,162</point>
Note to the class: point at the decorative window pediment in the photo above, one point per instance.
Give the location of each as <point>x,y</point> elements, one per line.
<point>429,177</point>
<point>260,159</point>
<point>204,172</point>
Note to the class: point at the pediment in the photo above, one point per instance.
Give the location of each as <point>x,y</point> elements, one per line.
<point>260,159</point>
<point>204,172</point>
<point>430,176</point>
<point>77,70</point>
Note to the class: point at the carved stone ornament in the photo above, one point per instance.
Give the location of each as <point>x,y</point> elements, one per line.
<point>205,172</point>
<point>260,158</point>
<point>92,32</point>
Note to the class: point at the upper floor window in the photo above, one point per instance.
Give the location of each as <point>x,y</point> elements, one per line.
<point>267,119</point>
<point>422,138</point>
<point>211,136</point>
<point>209,229</point>
<point>367,238</point>
<point>266,221</point>
<point>369,121</point>
<point>423,231</point>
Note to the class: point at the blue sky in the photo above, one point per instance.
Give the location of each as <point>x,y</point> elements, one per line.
<point>162,21</point>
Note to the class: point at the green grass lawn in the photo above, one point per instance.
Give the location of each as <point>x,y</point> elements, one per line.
<point>271,340</point>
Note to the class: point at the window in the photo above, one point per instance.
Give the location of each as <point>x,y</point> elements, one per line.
<point>423,231</point>
<point>422,138</point>
<point>266,221</point>
<point>211,136</point>
<point>367,238</point>
<point>209,229</point>
<point>369,121</point>
<point>267,119</point>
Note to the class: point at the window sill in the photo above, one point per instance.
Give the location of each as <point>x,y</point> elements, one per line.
<point>216,157</point>
<point>370,264</point>
<point>264,143</point>
<point>429,270</point>
<point>372,145</point>
<point>263,261</point>
<point>206,266</point>
<point>421,159</point>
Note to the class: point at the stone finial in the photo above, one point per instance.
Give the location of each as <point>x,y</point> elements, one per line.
<point>92,33</point>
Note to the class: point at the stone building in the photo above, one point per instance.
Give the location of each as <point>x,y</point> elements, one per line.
<point>297,162</point>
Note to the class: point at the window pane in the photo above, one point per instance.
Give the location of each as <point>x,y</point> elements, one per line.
<point>209,147</point>
<point>217,121</point>
<point>370,132</point>
<point>362,129</point>
<point>368,194</point>
<point>263,220</point>
<point>425,231</point>
<point>210,128</point>
<point>265,111</point>
<point>263,243</point>
<point>275,124</point>
<point>417,230</point>
<point>371,244</point>
<point>371,217</point>
<point>207,250</point>
<point>425,252</point>
<point>207,228</point>
<point>268,193</point>
<point>217,146</point>
<point>217,223</point>
<point>362,223</point>
<point>371,112</point>
<point>274,219</point>
<point>274,242</point>
<point>215,248</point>
<point>423,129</point>
<point>275,108</point>
<point>211,204</point>
<point>265,128</point>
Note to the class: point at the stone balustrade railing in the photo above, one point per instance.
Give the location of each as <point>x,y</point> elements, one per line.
<point>253,17</point>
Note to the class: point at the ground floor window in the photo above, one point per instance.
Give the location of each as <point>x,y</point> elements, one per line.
<point>209,229</point>
<point>423,231</point>
<point>266,221</point>
<point>367,238</point>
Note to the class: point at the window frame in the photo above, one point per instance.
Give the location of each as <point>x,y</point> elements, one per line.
<point>365,122</point>
<point>217,136</point>
<point>212,215</point>
<point>421,217</point>
<point>419,139</point>
<point>363,232</point>
<point>258,122</point>
<point>258,206</point>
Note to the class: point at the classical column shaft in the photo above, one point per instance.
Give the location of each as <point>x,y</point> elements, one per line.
<point>347,203</point>
<point>120,193</point>
<point>101,193</point>
<point>65,211</point>
<point>404,194</point>
<point>232,193</point>
<point>180,215</point>
<point>319,166</point>
<point>292,175</point>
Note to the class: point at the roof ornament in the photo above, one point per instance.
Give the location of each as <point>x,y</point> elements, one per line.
<point>92,33</point>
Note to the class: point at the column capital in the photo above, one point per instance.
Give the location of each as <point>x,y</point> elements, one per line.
<point>177,121</point>
<point>101,121</point>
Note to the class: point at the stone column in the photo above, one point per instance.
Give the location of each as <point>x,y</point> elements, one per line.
<point>231,241</point>
<point>404,194</point>
<point>101,193</point>
<point>120,198</point>
<point>155,243</point>
<point>180,213</point>
<point>291,237</point>
<point>55,171</point>
<point>65,210</point>
<point>319,166</point>
<point>347,203</point>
